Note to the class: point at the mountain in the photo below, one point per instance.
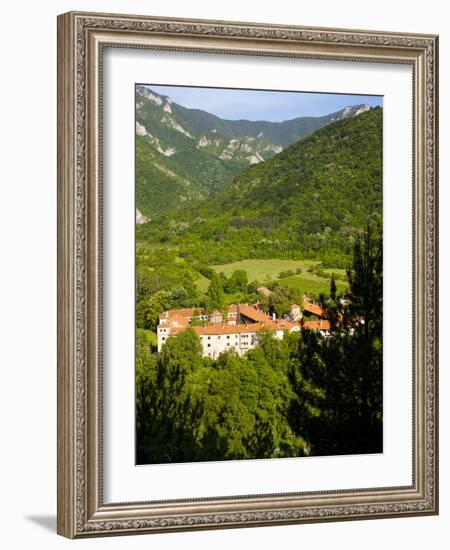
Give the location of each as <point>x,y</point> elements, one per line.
<point>313,196</point>
<point>183,155</point>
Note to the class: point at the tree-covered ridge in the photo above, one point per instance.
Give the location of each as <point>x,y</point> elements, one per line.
<point>297,224</point>
<point>310,200</point>
<point>332,178</point>
<point>202,153</point>
<point>198,122</point>
<point>205,159</point>
<point>173,183</point>
<point>304,395</point>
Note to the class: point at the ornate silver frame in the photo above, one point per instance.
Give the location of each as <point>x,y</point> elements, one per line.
<point>81,38</point>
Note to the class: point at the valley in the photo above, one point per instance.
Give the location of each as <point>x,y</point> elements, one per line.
<point>298,275</point>
<point>258,284</point>
<point>289,222</point>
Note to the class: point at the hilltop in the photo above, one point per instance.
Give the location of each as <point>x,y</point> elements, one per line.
<point>308,200</point>
<point>186,155</point>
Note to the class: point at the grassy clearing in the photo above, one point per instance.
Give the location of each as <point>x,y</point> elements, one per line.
<point>202,283</point>
<point>264,270</point>
<point>267,271</point>
<point>337,271</point>
<point>312,286</point>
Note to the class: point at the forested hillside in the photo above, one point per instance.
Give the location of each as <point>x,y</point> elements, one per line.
<point>304,395</point>
<point>304,221</point>
<point>186,154</point>
<point>309,200</point>
<point>289,223</point>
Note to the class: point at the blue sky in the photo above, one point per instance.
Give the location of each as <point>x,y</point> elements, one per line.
<point>261,105</point>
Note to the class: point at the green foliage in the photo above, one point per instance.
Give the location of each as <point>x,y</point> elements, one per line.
<point>309,202</point>
<point>338,380</point>
<point>215,295</point>
<point>287,273</point>
<point>333,287</point>
<point>163,282</point>
<point>173,182</point>
<point>279,304</point>
<point>308,286</point>
<point>263,269</point>
<point>171,413</point>
<point>237,282</point>
<point>188,154</point>
<point>302,395</point>
<point>146,340</point>
<point>173,168</point>
<point>366,278</point>
<point>148,311</point>
<point>207,272</point>
<point>190,409</point>
<point>293,223</point>
<point>252,287</point>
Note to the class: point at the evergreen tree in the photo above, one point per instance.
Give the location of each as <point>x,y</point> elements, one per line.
<point>338,380</point>
<point>366,279</point>
<point>237,282</point>
<point>215,295</point>
<point>169,408</point>
<point>333,287</point>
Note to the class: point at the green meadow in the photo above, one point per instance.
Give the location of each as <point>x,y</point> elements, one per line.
<point>267,272</point>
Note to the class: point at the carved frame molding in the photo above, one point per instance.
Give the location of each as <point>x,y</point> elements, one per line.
<point>81,39</point>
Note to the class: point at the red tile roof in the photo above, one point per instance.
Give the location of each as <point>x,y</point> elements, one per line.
<point>313,308</point>
<point>177,321</point>
<point>281,324</point>
<point>224,328</point>
<point>187,312</point>
<point>254,314</point>
<point>317,325</point>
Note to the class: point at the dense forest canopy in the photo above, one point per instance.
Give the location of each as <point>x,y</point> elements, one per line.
<point>300,396</point>
<point>304,221</point>
<point>313,197</point>
<point>186,154</point>
<point>305,206</point>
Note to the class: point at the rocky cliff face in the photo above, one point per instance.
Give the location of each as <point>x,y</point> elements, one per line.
<point>140,218</point>
<point>201,153</point>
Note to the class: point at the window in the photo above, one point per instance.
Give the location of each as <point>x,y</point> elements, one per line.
<point>228,337</point>
<point>228,344</point>
<point>209,345</point>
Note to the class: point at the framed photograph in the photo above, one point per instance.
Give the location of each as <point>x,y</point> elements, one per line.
<point>247,287</point>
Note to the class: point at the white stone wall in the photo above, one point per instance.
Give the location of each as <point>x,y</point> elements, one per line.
<point>215,344</point>
<point>162,334</point>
